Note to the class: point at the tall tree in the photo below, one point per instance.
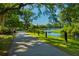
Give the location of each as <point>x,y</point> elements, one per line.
<point>69,17</point>
<point>27,16</point>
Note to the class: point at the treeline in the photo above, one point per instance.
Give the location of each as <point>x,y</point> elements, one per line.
<point>65,16</point>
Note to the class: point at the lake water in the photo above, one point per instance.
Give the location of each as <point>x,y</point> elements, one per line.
<point>54,34</point>
<point>50,33</point>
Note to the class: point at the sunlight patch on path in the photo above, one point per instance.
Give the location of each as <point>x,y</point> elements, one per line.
<point>27,35</point>
<point>25,43</point>
<point>21,50</point>
<point>22,46</point>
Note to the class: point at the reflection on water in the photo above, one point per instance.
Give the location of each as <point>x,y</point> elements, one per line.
<point>54,34</point>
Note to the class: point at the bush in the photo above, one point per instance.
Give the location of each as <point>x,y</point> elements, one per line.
<point>5,31</point>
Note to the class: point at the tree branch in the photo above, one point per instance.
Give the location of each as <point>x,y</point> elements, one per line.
<point>4,10</point>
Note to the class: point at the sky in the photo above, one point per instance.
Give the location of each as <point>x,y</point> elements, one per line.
<point>41,20</point>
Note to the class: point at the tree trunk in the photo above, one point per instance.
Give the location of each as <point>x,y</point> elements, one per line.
<point>46,34</point>
<point>2,20</point>
<point>65,36</point>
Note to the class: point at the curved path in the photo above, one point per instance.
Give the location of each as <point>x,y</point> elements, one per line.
<point>25,45</point>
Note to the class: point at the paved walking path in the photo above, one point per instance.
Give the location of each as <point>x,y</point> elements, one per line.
<point>25,45</point>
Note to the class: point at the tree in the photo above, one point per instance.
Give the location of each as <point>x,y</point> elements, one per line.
<point>27,16</point>
<point>12,22</point>
<point>6,9</point>
<point>69,18</point>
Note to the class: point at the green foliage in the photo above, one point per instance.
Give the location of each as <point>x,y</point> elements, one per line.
<point>5,37</point>
<point>69,18</point>
<point>5,42</point>
<point>27,16</point>
<point>5,30</point>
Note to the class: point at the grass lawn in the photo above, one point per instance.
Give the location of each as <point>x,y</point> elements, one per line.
<point>72,47</point>
<point>5,42</point>
<point>57,31</point>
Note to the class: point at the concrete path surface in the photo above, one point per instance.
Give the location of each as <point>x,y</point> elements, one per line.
<point>25,45</point>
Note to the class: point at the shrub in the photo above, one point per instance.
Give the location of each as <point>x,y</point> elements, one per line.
<point>5,31</point>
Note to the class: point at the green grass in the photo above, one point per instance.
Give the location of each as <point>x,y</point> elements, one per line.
<point>72,46</point>
<point>5,42</point>
<point>57,31</point>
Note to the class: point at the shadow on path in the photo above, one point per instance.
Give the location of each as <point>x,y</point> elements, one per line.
<point>25,45</point>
